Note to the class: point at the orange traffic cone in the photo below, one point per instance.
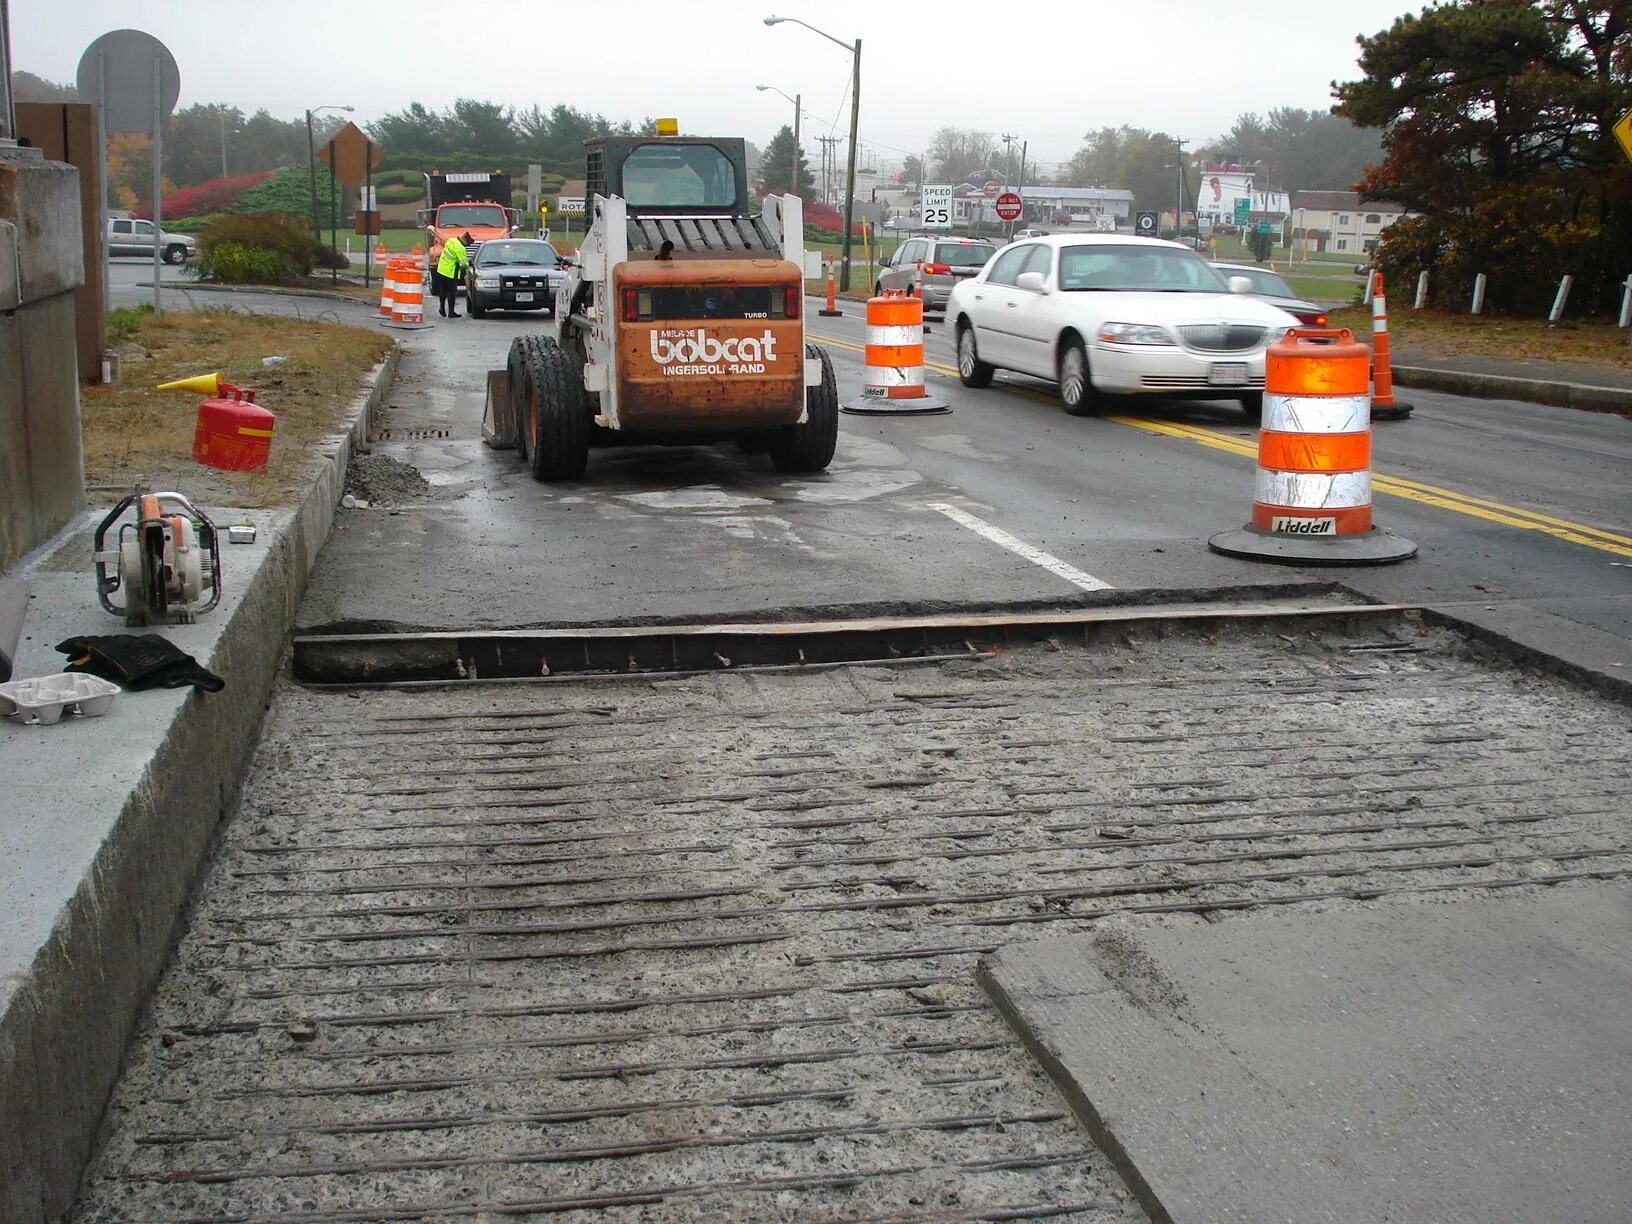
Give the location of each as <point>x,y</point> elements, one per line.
<point>1384,407</point>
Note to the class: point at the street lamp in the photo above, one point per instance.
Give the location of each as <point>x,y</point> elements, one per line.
<point>855,104</point>
<point>311,162</point>
<point>235,131</point>
<point>793,179</point>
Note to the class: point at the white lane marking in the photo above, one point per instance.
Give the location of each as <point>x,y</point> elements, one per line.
<point>1036,556</point>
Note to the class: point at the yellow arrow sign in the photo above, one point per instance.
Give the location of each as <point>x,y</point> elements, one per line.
<point>1623,133</point>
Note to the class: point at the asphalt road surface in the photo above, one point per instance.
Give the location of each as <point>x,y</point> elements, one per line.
<point>1515,507</point>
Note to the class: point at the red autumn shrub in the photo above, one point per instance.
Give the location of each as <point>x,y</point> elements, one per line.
<point>216,195</point>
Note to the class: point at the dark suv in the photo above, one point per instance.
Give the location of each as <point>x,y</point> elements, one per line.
<point>933,265</point>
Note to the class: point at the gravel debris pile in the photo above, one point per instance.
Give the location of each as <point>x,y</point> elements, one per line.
<point>383,481</point>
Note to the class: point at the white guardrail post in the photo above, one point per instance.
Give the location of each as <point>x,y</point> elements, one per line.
<point>1557,311</point>
<point>1422,290</point>
<point>1626,304</point>
<point>1478,293</point>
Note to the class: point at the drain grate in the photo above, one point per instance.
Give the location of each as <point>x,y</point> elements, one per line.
<point>414,435</point>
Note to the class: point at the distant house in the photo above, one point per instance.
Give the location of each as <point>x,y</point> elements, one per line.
<point>1339,221</point>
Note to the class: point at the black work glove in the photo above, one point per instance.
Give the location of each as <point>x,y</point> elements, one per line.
<point>139,661</point>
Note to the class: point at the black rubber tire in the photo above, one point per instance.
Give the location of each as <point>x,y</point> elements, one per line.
<point>809,447</point>
<point>557,412</point>
<point>175,253</point>
<point>1253,405</point>
<point>515,375</point>
<point>1077,394</point>
<point>474,306</point>
<point>972,372</point>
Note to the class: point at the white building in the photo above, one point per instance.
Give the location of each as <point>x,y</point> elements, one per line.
<point>1338,221</point>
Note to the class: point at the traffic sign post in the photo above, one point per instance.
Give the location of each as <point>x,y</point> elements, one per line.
<point>1144,224</point>
<point>136,83</point>
<point>935,204</point>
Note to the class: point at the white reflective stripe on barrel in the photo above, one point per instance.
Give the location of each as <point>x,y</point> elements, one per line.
<point>894,335</point>
<point>1317,414</point>
<point>895,376</point>
<point>1312,491</point>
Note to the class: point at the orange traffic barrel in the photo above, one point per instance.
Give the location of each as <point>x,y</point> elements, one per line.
<point>893,370</point>
<point>1312,495</point>
<point>407,295</point>
<point>1384,407</point>
<point>388,288</point>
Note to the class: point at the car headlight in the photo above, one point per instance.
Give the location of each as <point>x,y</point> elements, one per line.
<point>487,282</point>
<point>1133,333</point>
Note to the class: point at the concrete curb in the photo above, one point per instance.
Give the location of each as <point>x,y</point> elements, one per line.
<point>203,287</point>
<point>66,1020</point>
<point>1503,386</point>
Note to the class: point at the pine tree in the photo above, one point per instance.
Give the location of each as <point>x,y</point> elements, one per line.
<point>776,162</point>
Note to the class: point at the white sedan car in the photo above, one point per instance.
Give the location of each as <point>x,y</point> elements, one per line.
<point>1106,314</point>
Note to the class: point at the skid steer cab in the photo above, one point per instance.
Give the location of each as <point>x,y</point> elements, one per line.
<point>681,322</point>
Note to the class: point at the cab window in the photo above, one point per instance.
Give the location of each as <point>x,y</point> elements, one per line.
<point>666,174</point>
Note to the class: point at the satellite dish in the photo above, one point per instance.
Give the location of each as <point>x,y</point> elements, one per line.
<point>127,62</point>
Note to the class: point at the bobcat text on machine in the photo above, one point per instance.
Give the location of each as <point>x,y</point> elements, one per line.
<point>681,322</point>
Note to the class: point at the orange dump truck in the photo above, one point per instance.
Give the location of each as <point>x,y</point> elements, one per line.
<point>475,203</point>
<point>682,320</point>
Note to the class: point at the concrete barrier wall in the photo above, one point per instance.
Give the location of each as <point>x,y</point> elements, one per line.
<point>42,469</point>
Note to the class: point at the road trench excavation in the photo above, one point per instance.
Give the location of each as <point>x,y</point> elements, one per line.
<point>698,941</point>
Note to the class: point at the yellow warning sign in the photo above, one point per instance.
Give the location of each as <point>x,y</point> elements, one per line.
<point>1623,133</point>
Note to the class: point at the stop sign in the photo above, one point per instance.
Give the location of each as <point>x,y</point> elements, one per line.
<point>1008,206</point>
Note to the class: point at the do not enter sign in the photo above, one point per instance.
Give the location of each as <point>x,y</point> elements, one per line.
<point>1008,206</point>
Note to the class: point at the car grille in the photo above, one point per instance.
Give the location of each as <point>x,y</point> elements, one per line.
<point>1221,337</point>
<point>1198,382</point>
<point>525,282</point>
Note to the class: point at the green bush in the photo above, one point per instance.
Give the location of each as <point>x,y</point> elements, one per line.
<point>290,191</point>
<point>267,248</point>
<point>400,194</point>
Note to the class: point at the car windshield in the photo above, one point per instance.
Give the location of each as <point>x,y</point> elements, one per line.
<point>1137,267</point>
<point>540,254</point>
<point>670,175</point>
<point>963,254</point>
<point>1263,281</point>
<point>490,216</point>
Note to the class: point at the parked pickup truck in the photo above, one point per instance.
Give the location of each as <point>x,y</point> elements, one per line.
<point>128,236</point>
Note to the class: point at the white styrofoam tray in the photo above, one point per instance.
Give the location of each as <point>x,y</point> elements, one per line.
<point>44,699</point>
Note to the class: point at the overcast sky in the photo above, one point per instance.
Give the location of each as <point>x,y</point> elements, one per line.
<point>1044,76</point>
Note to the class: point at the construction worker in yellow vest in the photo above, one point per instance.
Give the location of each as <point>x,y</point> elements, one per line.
<point>451,269</point>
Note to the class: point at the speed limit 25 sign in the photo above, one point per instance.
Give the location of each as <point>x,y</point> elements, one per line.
<point>937,206</point>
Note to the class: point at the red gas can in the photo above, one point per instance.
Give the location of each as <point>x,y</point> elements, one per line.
<point>234,434</point>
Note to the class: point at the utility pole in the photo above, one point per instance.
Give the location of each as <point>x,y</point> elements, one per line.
<point>827,166</point>
<point>1178,211</point>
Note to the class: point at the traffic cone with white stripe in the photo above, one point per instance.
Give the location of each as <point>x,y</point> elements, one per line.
<point>1384,407</point>
<point>1312,496</point>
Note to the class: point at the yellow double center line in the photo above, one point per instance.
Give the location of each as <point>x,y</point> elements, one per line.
<point>1396,486</point>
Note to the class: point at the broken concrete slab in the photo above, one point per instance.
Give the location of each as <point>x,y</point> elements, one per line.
<point>1452,1060</point>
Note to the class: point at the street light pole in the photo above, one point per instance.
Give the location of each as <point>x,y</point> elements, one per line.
<point>311,165</point>
<point>855,114</point>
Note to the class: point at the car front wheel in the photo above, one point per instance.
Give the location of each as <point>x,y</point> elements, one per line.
<point>1076,386</point>
<point>175,254</point>
<point>972,371</point>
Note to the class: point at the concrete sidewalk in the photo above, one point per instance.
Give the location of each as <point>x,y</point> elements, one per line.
<point>109,820</point>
